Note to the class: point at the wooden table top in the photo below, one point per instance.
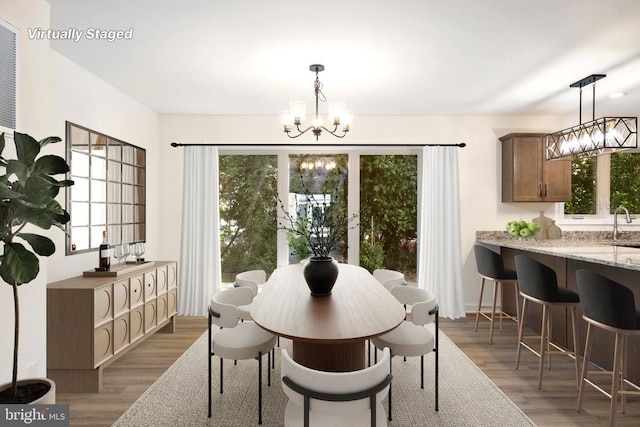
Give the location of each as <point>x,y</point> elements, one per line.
<point>358,308</point>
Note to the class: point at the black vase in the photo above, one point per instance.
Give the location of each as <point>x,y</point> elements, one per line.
<point>321,274</point>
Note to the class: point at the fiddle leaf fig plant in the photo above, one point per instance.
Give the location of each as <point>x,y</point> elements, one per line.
<point>28,188</point>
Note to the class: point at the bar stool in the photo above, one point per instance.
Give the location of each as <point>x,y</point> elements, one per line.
<point>608,305</point>
<point>491,267</point>
<point>538,284</point>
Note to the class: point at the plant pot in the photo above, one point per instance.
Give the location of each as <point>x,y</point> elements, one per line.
<point>49,397</point>
<point>321,274</point>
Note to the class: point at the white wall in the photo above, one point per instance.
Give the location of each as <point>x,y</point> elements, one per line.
<point>53,89</point>
<point>480,180</point>
<point>80,97</point>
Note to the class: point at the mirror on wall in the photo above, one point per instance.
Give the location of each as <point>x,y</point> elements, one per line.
<point>109,191</point>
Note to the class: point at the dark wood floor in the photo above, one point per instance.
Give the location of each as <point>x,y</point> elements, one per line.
<point>554,405</point>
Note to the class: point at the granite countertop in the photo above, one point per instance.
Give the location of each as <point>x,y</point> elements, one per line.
<point>595,247</point>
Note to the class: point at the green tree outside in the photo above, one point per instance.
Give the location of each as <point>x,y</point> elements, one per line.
<point>248,209</point>
<point>388,210</point>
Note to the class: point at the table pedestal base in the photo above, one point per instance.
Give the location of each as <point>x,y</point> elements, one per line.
<point>343,357</point>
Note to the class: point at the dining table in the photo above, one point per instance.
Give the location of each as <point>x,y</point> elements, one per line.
<point>328,332</point>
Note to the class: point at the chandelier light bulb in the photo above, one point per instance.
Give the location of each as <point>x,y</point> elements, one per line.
<point>298,111</point>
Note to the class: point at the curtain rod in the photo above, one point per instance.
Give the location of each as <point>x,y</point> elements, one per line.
<point>179,144</point>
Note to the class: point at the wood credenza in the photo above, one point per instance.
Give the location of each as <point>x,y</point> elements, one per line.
<point>93,321</point>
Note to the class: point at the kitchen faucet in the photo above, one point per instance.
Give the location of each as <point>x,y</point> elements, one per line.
<point>615,220</point>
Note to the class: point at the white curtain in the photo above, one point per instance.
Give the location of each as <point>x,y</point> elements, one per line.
<point>200,270</point>
<point>439,252</point>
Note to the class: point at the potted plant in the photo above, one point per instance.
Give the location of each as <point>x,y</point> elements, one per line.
<point>318,219</point>
<point>27,197</point>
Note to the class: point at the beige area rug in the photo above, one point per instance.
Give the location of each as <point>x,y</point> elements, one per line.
<point>179,396</point>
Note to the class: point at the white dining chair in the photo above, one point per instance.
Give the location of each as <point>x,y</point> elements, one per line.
<point>349,399</point>
<point>235,340</point>
<point>389,278</point>
<point>254,280</point>
<point>411,338</point>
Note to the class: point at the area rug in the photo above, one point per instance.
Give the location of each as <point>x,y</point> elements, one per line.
<point>179,396</point>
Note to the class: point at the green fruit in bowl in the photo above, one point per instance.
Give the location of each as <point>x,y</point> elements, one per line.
<point>522,224</point>
<point>525,232</point>
<point>533,227</point>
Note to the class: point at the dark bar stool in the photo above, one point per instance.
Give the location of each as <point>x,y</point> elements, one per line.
<point>610,306</point>
<point>538,284</point>
<point>491,267</point>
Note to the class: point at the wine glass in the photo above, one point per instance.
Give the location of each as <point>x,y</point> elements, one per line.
<point>138,251</point>
<point>125,251</point>
<point>118,253</point>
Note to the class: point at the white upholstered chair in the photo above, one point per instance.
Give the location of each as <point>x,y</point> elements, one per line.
<point>254,280</point>
<point>389,278</point>
<point>235,340</point>
<point>412,337</point>
<point>319,398</point>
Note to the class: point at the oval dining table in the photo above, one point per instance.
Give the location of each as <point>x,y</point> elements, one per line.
<point>328,332</point>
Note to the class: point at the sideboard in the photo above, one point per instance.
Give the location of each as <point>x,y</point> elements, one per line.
<point>93,321</point>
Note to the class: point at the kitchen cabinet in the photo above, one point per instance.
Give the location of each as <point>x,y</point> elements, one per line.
<point>527,176</point>
<point>93,321</point>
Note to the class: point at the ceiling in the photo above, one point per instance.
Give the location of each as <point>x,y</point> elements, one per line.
<point>381,57</point>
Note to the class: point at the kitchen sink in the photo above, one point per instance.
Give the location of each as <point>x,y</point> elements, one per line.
<point>626,244</point>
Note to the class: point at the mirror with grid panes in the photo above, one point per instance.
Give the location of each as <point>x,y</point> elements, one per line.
<point>109,191</point>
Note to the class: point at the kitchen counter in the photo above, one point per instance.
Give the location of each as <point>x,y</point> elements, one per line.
<point>595,249</point>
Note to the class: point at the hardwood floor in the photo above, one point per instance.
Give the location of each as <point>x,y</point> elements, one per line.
<point>554,405</point>
<point>127,378</point>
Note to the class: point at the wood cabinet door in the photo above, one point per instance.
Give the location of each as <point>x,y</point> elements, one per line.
<point>136,323</point>
<point>150,285</point>
<point>121,332</point>
<point>557,180</point>
<point>103,304</point>
<point>150,315</point>
<point>162,308</point>
<point>161,279</point>
<point>172,302</point>
<point>102,343</point>
<point>120,297</point>
<point>172,275</point>
<point>136,290</point>
<point>527,169</point>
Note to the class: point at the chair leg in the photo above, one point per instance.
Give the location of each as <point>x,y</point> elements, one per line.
<point>209,356</point>
<point>260,387</point>
<point>623,373</point>
<point>615,382</point>
<point>517,289</point>
<point>521,331</point>
<point>268,370</point>
<point>389,416</point>
<point>221,376</point>
<point>368,352</point>
<point>585,365</point>
<point>436,350</point>
<point>422,371</point>
<point>479,302</point>
<point>493,311</point>
<point>543,343</point>
<point>576,353</point>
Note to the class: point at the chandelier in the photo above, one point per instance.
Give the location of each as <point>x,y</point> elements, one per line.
<point>338,117</point>
<point>601,136</point>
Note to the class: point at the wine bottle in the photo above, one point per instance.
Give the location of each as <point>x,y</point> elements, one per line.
<point>105,256</point>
